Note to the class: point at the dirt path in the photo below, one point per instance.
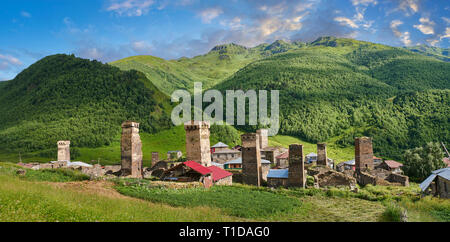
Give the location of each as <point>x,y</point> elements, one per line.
<point>102,188</point>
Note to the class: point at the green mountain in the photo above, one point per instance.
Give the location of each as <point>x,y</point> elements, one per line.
<point>210,69</point>
<point>436,52</point>
<point>342,88</point>
<point>62,97</point>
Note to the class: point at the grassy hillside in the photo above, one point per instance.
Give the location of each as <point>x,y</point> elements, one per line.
<point>47,195</point>
<point>436,52</point>
<point>346,88</point>
<point>210,69</point>
<point>65,98</point>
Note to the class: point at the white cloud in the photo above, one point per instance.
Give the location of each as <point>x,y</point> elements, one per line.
<point>446,34</point>
<point>409,5</point>
<point>346,21</point>
<point>404,37</point>
<point>11,59</point>
<point>8,62</point>
<point>364,2</point>
<point>209,14</point>
<point>426,27</point>
<point>447,20</point>
<point>141,47</point>
<point>130,7</point>
<point>25,14</point>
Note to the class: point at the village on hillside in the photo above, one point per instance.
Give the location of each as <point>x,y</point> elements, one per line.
<point>253,162</point>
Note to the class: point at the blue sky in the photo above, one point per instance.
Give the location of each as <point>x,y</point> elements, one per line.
<point>109,30</point>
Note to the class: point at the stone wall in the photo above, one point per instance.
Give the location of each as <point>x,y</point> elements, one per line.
<point>277,182</point>
<point>363,153</point>
<point>364,178</point>
<point>297,176</point>
<point>198,147</point>
<point>64,150</point>
<point>443,187</point>
<point>397,178</point>
<point>228,181</point>
<point>251,159</point>
<point>155,158</point>
<point>131,150</point>
<point>322,158</point>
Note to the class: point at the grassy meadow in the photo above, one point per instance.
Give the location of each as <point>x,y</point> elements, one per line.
<point>67,196</point>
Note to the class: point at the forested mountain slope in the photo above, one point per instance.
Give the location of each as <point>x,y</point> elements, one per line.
<point>345,88</point>
<point>65,98</point>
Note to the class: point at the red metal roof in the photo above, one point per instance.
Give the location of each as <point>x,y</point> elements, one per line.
<point>197,167</point>
<point>218,173</point>
<point>285,155</point>
<point>393,164</point>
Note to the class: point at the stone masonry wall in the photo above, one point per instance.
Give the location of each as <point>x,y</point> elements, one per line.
<point>322,154</point>
<point>251,159</point>
<point>198,147</point>
<point>363,153</point>
<point>64,150</point>
<point>297,176</point>
<point>131,150</point>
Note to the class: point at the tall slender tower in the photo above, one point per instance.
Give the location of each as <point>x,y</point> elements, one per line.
<point>131,150</point>
<point>198,148</point>
<point>64,150</point>
<point>251,159</point>
<point>363,153</point>
<point>263,138</point>
<point>322,158</point>
<point>296,173</point>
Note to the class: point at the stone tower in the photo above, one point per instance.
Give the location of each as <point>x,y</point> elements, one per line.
<point>155,158</point>
<point>363,153</point>
<point>64,150</point>
<point>251,159</point>
<point>198,148</point>
<point>296,174</point>
<point>322,158</point>
<point>263,138</point>
<point>131,150</point>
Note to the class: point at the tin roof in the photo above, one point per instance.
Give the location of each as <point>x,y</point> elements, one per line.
<point>239,161</point>
<point>197,167</point>
<point>219,145</point>
<point>278,173</point>
<point>311,154</point>
<point>444,173</point>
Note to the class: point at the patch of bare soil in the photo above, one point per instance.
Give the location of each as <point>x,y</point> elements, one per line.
<point>102,188</point>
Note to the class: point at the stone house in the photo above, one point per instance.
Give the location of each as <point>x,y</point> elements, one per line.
<point>346,165</point>
<point>236,164</point>
<point>220,153</point>
<point>311,157</point>
<point>282,161</point>
<point>438,183</point>
<point>191,171</point>
<point>270,153</point>
<point>277,177</point>
<point>174,154</point>
<point>391,165</point>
